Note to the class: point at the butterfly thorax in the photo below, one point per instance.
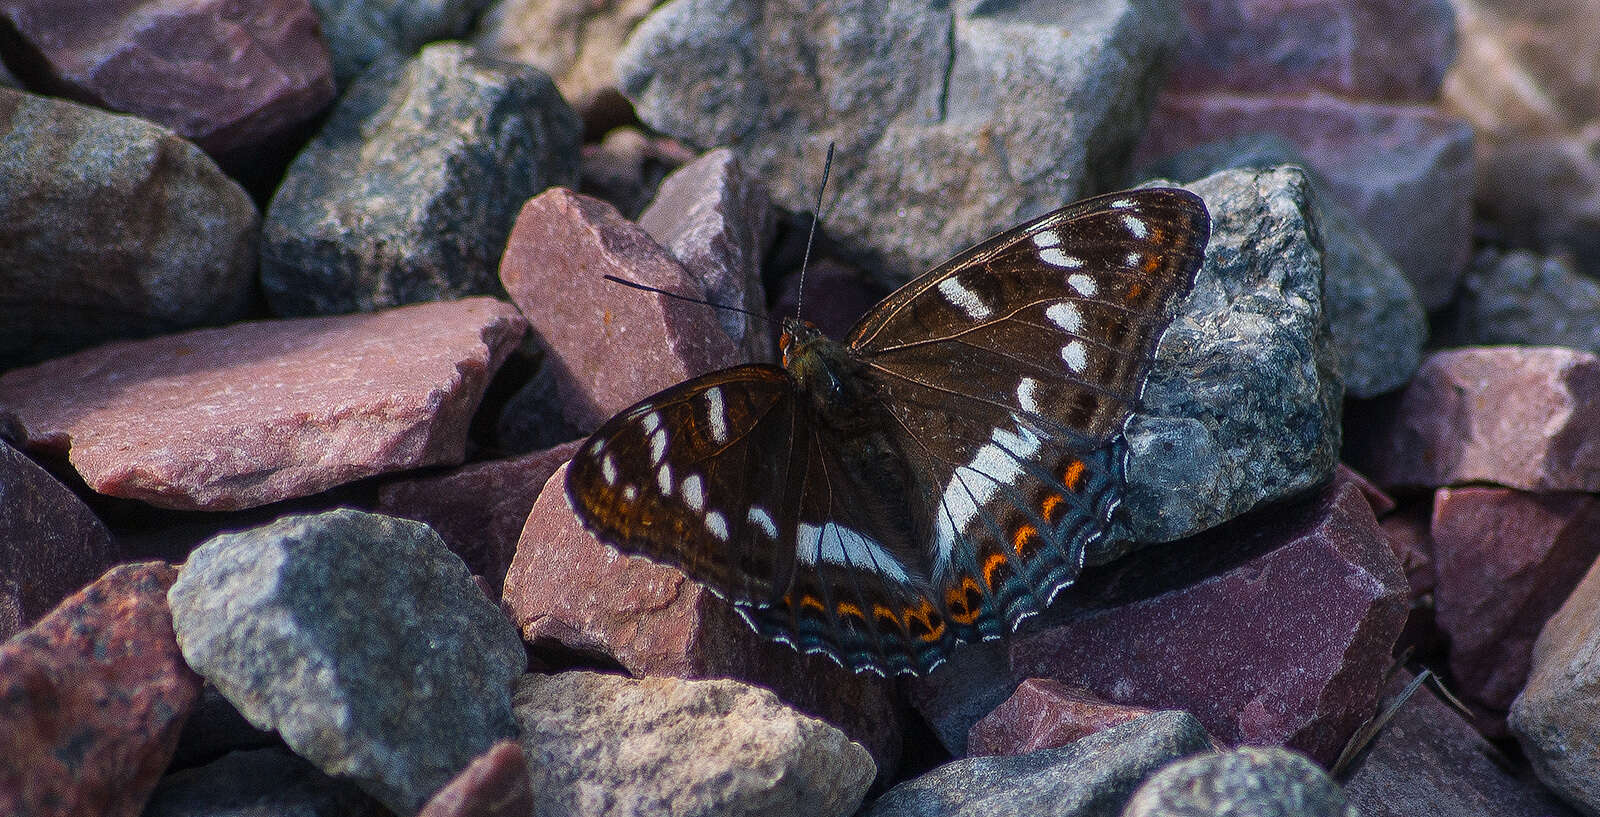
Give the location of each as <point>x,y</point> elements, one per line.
<point>826,372</point>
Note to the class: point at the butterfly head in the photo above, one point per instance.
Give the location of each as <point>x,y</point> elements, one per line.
<point>798,335</point>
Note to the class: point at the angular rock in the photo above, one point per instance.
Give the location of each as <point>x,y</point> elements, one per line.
<point>610,346</point>
<point>363,32</point>
<point>1376,319</point>
<point>1246,782</point>
<point>1521,298</point>
<point>910,92</point>
<point>409,191</point>
<point>92,698</point>
<point>51,544</point>
<point>1382,504</point>
<point>1380,160</point>
<point>837,295</point>
<point>605,744</point>
<point>111,227</point>
<point>478,509</point>
<point>1557,716</point>
<point>1429,760</point>
<point>565,588</point>
<point>1522,417</point>
<point>1044,714</point>
<point>307,624</point>
<point>1092,776</point>
<point>258,782</point>
<point>718,223</point>
<point>240,416</point>
<point>1271,631</point>
<point>1242,403</point>
<point>496,784</point>
<point>1505,560</point>
<point>1408,532</point>
<point>1395,50</point>
<point>225,75</point>
<point>627,166</point>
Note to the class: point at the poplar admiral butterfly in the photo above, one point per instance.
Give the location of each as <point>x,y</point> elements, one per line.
<point>935,478</point>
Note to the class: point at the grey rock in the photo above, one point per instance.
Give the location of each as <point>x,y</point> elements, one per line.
<point>362,32</point>
<point>360,639</point>
<point>258,783</point>
<point>718,222</point>
<point>1247,782</point>
<point>1092,776</point>
<point>1377,320</point>
<point>1242,405</point>
<point>611,745</point>
<point>111,227</point>
<point>1520,297</point>
<point>911,91</point>
<point>409,191</point>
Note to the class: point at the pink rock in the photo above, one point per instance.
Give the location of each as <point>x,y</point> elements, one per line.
<point>226,75</point>
<point>478,509</point>
<point>1409,538</point>
<point>1373,49</point>
<point>1522,417</point>
<point>1044,714</point>
<point>51,544</point>
<point>1378,160</point>
<point>1382,504</point>
<point>567,589</point>
<point>496,784</point>
<point>244,415</point>
<point>614,345</point>
<point>1287,648</point>
<point>1505,561</point>
<point>92,699</point>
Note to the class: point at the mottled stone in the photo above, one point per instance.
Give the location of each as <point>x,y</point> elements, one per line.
<point>565,588</point>
<point>1505,560</point>
<point>229,418</point>
<point>1246,782</point>
<point>1093,776</point>
<point>225,75</point>
<point>1271,631</point>
<point>92,698</point>
<point>717,221</point>
<point>626,167</point>
<point>1044,714</point>
<point>1242,403</point>
<point>910,91</point>
<point>51,544</point>
<point>496,784</point>
<point>478,509</point>
<point>111,227</point>
<point>1429,760</point>
<point>610,745</point>
<point>306,625</point>
<point>1557,716</point>
<point>611,346</point>
<point>1518,297</point>
<point>1404,171</point>
<point>363,32</point>
<point>214,729</point>
<point>409,191</point>
<point>259,783</point>
<point>1522,417</point>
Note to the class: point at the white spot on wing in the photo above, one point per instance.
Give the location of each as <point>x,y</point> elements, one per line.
<point>1028,394</point>
<point>651,422</point>
<point>1135,226</point>
<point>717,524</point>
<point>658,446</point>
<point>840,545</point>
<point>608,469</point>
<point>1054,256</point>
<point>1076,355</point>
<point>630,493</point>
<point>1066,316</point>
<point>1082,284</point>
<point>1121,204</point>
<point>664,479</point>
<point>716,414</point>
<point>1132,260</point>
<point>760,518</point>
<point>694,493</point>
<point>964,299</point>
<point>1047,238</point>
<point>974,484</point>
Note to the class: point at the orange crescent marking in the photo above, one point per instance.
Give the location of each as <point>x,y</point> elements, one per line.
<point>846,608</point>
<point>1074,475</point>
<point>883,612</point>
<point>994,561</point>
<point>1049,504</point>
<point>809,600</point>
<point>957,597</point>
<point>1022,535</point>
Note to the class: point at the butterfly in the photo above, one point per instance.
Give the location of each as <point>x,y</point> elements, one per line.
<point>936,477</point>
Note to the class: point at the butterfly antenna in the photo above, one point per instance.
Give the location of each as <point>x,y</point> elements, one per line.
<point>703,302</point>
<point>800,296</point>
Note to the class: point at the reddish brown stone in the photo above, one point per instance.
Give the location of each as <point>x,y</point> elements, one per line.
<point>51,544</point>
<point>614,346</point>
<point>1381,502</point>
<point>223,74</point>
<point>1505,561</point>
<point>494,785</point>
<point>92,699</point>
<point>478,509</point>
<point>1044,714</point>
<point>1286,648</point>
<point>565,588</point>
<point>244,415</point>
<point>1378,160</point>
<point>1522,417</point>
<point>1407,532</point>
